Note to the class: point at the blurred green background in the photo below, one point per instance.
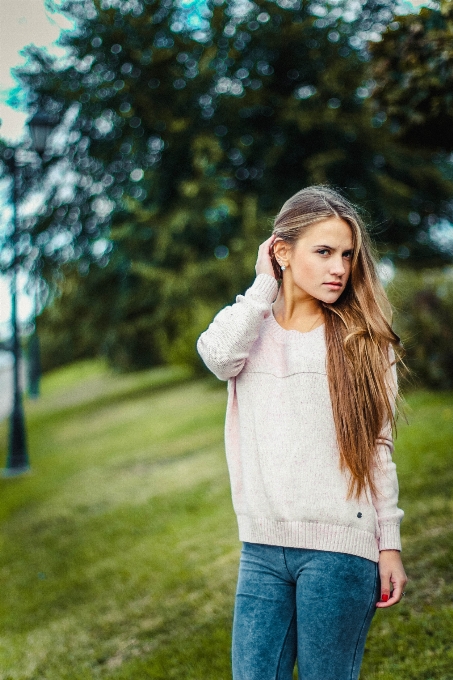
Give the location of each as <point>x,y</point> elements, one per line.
<point>182,128</point>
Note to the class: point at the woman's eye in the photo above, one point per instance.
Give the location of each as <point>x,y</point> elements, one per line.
<point>348,255</point>
<point>323,251</point>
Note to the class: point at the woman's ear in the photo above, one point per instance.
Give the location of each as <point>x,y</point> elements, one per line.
<point>281,250</point>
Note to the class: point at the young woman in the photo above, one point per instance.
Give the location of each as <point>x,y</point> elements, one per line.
<point>311,377</point>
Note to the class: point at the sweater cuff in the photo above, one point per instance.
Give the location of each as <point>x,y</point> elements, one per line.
<point>264,286</point>
<point>390,537</point>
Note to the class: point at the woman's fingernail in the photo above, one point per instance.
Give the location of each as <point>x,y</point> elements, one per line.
<point>384,597</point>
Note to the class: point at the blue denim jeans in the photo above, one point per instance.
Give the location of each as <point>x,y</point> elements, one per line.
<point>312,605</point>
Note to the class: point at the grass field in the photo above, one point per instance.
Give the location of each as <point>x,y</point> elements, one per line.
<point>119,549</point>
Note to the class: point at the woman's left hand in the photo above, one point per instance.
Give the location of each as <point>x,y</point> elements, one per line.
<point>392,573</point>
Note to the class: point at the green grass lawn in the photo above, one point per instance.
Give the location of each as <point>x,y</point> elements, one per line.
<point>119,549</point>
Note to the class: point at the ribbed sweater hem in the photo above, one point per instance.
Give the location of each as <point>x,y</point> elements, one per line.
<point>310,535</point>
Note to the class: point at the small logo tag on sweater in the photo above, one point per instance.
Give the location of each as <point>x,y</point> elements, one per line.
<point>359,515</point>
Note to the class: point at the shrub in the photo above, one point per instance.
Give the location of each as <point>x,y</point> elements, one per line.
<point>423,303</point>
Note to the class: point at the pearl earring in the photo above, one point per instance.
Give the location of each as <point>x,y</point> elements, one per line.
<point>282,266</point>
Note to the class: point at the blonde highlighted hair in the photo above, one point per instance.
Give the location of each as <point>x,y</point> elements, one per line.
<point>360,341</point>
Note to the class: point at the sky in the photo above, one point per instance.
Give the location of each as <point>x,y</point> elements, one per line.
<point>23,22</point>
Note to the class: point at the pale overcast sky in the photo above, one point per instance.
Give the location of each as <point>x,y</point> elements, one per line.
<point>22,22</point>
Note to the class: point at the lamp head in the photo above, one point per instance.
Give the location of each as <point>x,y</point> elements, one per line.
<point>41,125</point>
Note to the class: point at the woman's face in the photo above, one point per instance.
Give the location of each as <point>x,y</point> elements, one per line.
<point>320,261</point>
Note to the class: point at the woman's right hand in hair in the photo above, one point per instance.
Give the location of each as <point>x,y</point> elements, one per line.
<point>263,261</point>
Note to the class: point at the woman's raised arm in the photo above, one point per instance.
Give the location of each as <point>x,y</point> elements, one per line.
<point>226,344</point>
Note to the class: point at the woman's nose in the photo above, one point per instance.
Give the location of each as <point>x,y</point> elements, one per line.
<point>337,267</point>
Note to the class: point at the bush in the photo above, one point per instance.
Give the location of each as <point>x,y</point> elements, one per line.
<point>423,303</point>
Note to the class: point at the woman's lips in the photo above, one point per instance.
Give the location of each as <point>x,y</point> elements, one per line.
<point>333,284</point>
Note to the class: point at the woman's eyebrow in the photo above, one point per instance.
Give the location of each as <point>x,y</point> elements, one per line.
<point>332,248</point>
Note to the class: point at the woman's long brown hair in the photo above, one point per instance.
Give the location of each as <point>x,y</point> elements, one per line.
<point>360,341</point>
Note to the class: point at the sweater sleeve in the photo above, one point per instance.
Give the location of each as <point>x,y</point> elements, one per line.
<point>225,345</point>
<point>386,500</point>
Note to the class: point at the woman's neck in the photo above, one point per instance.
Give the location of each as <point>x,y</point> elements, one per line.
<point>296,310</point>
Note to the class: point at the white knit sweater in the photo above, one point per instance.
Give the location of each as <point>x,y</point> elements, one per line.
<point>280,438</point>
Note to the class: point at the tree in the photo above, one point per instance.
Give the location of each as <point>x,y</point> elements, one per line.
<point>130,102</point>
<point>413,70</point>
<point>183,145</point>
<point>305,116</point>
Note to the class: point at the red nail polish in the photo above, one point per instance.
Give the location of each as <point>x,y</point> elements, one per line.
<point>384,597</point>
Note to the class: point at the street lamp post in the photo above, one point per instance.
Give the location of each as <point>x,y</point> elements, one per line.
<point>34,356</point>
<point>17,461</point>
<point>41,125</point>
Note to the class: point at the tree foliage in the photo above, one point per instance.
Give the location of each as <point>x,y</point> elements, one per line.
<point>413,69</point>
<point>182,144</point>
<point>425,325</point>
